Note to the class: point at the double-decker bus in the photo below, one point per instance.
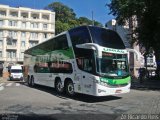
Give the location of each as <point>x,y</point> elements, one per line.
<point>86,59</point>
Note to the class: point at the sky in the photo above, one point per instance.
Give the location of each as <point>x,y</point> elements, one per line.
<point>82,8</point>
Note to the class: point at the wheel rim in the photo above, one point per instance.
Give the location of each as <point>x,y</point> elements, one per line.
<point>70,88</point>
<point>59,86</point>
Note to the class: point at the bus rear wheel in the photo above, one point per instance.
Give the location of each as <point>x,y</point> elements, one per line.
<point>69,88</point>
<point>58,86</point>
<point>32,82</point>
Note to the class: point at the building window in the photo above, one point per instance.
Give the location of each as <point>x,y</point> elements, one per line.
<point>12,42</point>
<point>45,17</point>
<point>23,24</point>
<point>45,26</point>
<point>14,14</point>
<point>45,35</point>
<point>23,34</point>
<point>32,43</point>
<point>35,16</point>
<point>1,22</point>
<point>24,15</point>
<point>1,43</point>
<point>34,25</point>
<point>2,13</point>
<point>34,35</point>
<point>0,53</point>
<point>12,23</point>
<point>22,43</point>
<point>11,53</point>
<point>12,34</point>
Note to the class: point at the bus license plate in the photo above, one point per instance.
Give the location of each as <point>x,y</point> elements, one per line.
<point>118,91</point>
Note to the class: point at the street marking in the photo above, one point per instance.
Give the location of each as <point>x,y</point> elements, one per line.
<point>1,84</point>
<point>9,84</point>
<point>1,88</point>
<point>17,84</point>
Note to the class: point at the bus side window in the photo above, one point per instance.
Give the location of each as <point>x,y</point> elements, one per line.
<point>61,67</point>
<point>85,64</point>
<point>80,63</point>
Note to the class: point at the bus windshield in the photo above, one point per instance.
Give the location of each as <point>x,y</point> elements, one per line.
<point>112,65</point>
<point>106,38</point>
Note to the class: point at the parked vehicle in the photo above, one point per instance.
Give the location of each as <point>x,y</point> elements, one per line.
<point>16,73</point>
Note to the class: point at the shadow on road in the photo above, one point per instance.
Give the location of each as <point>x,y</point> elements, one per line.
<point>149,84</point>
<point>78,97</point>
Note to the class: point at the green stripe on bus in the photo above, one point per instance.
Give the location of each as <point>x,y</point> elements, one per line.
<point>116,81</point>
<point>54,55</point>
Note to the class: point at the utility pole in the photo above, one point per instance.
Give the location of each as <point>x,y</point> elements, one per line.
<point>92,19</point>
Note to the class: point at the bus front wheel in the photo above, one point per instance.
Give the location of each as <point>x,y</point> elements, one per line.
<point>70,88</point>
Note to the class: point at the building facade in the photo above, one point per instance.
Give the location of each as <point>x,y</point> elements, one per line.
<point>22,28</point>
<point>135,62</point>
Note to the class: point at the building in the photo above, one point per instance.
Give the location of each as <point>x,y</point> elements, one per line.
<point>135,63</point>
<point>22,28</point>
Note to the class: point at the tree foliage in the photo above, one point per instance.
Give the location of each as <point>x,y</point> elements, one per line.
<point>66,17</point>
<point>148,18</point>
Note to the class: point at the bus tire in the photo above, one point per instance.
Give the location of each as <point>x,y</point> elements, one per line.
<point>58,86</point>
<point>69,88</point>
<point>32,82</point>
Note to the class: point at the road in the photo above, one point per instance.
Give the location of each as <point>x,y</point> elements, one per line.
<point>18,98</point>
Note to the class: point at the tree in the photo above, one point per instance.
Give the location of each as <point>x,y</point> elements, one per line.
<point>61,26</point>
<point>63,12</point>
<point>66,17</point>
<point>148,21</point>
<point>86,21</point>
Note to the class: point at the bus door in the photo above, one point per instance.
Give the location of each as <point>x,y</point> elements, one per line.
<point>86,67</point>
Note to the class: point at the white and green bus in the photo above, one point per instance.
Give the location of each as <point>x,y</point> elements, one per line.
<point>86,59</point>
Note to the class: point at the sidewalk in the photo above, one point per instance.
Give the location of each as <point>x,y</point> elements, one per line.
<point>149,84</point>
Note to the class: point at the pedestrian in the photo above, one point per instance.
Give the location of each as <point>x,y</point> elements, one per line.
<point>140,75</point>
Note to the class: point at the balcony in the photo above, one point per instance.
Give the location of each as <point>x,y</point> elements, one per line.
<point>13,14</point>
<point>24,15</point>
<point>11,47</point>
<point>2,13</point>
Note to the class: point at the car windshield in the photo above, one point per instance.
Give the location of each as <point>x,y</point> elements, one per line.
<point>16,71</point>
<point>113,65</point>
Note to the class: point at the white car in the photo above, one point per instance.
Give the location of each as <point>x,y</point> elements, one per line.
<point>16,73</point>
